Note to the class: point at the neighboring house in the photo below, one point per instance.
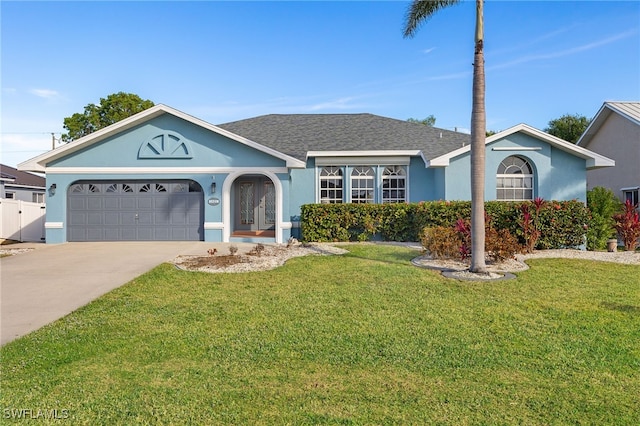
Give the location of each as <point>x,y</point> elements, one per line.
<point>615,132</point>
<point>19,185</point>
<point>165,175</point>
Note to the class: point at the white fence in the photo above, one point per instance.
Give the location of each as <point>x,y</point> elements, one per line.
<point>21,220</point>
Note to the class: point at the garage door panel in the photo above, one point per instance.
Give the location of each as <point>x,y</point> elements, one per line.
<point>145,218</point>
<point>94,203</point>
<point>129,234</point>
<point>94,218</point>
<point>95,234</point>
<point>145,202</point>
<point>111,234</point>
<point>161,218</point>
<point>78,218</point>
<point>161,234</point>
<point>127,203</point>
<point>77,204</point>
<point>161,203</point>
<point>135,210</point>
<point>111,218</point>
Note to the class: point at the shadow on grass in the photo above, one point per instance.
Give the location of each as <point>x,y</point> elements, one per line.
<point>621,308</point>
<point>391,255</point>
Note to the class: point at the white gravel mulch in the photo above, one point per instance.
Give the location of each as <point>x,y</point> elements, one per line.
<point>13,252</point>
<point>271,257</point>
<point>458,269</point>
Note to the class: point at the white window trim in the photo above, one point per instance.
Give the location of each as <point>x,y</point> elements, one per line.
<point>406,182</point>
<point>378,170</point>
<point>319,178</point>
<point>371,178</point>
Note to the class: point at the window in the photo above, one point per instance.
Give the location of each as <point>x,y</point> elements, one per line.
<point>631,195</point>
<point>394,184</point>
<point>9,195</point>
<point>362,185</point>
<point>37,197</point>
<point>331,185</point>
<point>514,180</point>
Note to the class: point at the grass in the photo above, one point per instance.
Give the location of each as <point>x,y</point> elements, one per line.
<point>364,338</point>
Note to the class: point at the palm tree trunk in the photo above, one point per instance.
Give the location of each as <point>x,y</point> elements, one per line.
<point>478,134</point>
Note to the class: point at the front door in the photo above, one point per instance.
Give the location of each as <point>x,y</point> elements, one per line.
<point>255,204</point>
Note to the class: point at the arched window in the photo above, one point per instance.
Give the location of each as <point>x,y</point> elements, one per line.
<point>362,185</point>
<point>394,184</point>
<point>514,180</point>
<point>331,185</point>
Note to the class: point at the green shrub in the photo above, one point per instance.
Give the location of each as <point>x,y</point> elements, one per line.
<point>602,204</point>
<point>561,223</point>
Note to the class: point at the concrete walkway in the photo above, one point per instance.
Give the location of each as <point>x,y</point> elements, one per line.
<point>51,281</point>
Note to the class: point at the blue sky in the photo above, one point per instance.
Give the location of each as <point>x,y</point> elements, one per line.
<point>225,61</point>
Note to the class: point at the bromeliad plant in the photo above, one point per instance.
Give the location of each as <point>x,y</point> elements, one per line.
<point>627,225</point>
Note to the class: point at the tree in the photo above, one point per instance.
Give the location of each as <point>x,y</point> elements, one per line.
<point>429,121</point>
<point>418,13</point>
<point>568,127</point>
<point>112,109</point>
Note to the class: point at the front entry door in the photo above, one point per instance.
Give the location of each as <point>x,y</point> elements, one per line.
<point>255,204</point>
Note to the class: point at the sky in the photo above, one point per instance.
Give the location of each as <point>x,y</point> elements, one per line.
<point>227,61</point>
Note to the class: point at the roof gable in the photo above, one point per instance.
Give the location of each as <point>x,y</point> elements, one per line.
<point>40,162</point>
<point>593,160</point>
<point>627,110</point>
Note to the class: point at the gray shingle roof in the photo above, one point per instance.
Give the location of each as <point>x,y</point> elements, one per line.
<point>297,134</point>
<point>18,177</point>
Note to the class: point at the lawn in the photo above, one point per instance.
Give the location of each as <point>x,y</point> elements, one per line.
<point>364,338</point>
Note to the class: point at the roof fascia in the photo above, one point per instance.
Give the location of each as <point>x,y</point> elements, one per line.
<point>39,163</point>
<point>593,159</point>
<point>603,113</point>
<point>383,153</point>
<point>593,126</point>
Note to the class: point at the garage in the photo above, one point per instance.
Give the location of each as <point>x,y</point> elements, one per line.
<point>154,210</point>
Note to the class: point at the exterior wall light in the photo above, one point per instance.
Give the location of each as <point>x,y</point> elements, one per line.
<point>52,189</point>
<point>213,186</point>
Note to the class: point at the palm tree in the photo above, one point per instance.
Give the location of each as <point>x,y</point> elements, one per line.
<point>418,13</point>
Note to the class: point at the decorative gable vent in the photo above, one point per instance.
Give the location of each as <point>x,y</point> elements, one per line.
<point>165,145</point>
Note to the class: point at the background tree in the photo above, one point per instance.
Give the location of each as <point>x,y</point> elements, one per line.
<point>111,109</point>
<point>568,127</point>
<point>418,13</point>
<point>429,121</point>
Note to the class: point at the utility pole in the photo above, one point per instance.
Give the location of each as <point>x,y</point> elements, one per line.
<point>53,140</point>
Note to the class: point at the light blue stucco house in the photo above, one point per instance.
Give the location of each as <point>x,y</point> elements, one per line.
<point>165,175</point>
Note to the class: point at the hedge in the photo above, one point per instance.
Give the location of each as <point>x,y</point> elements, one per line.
<point>562,223</point>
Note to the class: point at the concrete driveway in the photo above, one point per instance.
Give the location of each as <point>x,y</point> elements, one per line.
<point>51,281</point>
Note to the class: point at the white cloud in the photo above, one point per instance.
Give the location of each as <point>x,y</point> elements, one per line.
<point>44,93</point>
<point>566,52</point>
<point>429,50</point>
<point>340,104</point>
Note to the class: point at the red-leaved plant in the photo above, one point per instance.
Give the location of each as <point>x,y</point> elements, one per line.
<point>530,223</point>
<point>463,227</point>
<point>627,225</point>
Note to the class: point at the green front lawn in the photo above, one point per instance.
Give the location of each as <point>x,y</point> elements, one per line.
<point>364,338</point>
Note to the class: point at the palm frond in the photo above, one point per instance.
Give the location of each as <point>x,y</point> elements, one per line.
<point>420,11</point>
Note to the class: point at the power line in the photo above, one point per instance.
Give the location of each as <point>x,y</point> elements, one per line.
<point>30,133</point>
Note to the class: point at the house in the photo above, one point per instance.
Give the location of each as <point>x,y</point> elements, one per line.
<point>19,185</point>
<point>165,175</point>
<point>615,132</point>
